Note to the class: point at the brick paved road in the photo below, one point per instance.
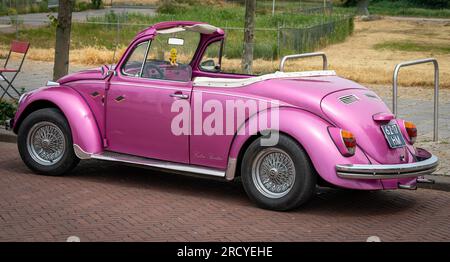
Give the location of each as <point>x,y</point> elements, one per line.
<point>102,201</point>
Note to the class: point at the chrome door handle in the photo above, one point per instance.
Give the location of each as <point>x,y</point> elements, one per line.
<point>179,95</point>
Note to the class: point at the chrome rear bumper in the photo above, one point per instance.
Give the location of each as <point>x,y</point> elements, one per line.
<point>415,169</point>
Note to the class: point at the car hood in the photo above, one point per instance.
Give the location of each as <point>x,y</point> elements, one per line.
<point>98,73</point>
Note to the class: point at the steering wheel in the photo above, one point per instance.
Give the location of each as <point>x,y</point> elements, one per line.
<point>151,67</point>
<point>133,68</point>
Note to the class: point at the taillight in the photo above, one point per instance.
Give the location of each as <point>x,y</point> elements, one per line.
<point>349,141</point>
<point>344,140</point>
<point>411,130</point>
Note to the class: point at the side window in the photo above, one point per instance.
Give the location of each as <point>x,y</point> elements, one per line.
<point>211,59</point>
<point>134,62</point>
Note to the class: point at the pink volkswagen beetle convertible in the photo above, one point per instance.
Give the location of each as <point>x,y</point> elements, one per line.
<point>170,104</point>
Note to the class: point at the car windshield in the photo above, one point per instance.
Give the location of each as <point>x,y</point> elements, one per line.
<point>167,56</point>
<point>170,54</point>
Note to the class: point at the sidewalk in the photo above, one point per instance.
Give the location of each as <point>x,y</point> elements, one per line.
<point>36,74</point>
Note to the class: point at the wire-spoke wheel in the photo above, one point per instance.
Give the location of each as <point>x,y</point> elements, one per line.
<point>45,142</point>
<point>280,177</point>
<point>273,172</point>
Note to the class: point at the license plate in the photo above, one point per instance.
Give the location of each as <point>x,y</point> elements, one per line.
<point>393,135</point>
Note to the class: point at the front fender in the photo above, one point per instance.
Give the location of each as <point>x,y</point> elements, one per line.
<point>311,132</point>
<point>82,122</point>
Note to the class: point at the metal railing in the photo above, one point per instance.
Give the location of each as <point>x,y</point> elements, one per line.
<point>436,89</point>
<point>288,57</point>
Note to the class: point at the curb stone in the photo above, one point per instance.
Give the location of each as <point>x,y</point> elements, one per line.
<point>442,183</point>
<point>7,136</point>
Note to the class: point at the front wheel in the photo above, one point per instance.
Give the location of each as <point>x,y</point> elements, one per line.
<point>280,177</point>
<point>45,143</point>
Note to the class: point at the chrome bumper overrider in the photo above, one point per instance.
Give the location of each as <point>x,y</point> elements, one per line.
<point>415,169</point>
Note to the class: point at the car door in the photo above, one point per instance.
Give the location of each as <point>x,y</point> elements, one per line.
<point>138,109</point>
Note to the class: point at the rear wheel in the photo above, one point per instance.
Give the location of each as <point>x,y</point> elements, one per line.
<point>45,143</point>
<point>280,177</point>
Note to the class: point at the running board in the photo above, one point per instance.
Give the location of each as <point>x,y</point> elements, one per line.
<point>153,163</point>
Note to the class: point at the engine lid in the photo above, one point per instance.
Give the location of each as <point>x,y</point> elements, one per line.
<point>362,112</point>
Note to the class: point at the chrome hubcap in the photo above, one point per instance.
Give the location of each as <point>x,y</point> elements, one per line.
<point>46,143</point>
<point>273,172</point>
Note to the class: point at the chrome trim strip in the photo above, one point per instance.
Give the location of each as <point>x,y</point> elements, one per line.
<point>142,161</point>
<point>152,85</point>
<point>116,157</point>
<point>415,169</point>
<point>231,169</point>
<point>80,153</point>
<point>240,82</point>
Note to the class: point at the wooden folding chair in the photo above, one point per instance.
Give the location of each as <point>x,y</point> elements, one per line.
<point>17,47</point>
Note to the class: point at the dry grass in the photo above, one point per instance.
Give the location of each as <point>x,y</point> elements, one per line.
<point>356,58</point>
<point>136,2</point>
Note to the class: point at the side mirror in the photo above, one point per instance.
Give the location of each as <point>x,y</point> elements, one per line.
<point>111,72</point>
<point>106,70</point>
<point>210,65</point>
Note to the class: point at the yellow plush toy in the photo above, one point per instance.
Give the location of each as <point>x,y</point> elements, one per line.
<point>173,57</point>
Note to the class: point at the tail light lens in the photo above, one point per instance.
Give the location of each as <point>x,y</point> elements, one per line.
<point>344,140</point>
<point>411,130</point>
<point>349,141</point>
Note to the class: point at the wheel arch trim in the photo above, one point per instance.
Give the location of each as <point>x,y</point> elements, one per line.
<point>309,131</point>
<point>82,122</point>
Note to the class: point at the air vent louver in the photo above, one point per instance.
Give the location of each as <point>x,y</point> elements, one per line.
<point>348,99</point>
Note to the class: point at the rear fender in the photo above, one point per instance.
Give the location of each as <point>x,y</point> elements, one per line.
<point>85,131</point>
<point>311,132</point>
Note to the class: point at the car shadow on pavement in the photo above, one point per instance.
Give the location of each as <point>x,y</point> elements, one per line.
<point>131,176</point>
<point>345,202</point>
<point>325,202</point>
